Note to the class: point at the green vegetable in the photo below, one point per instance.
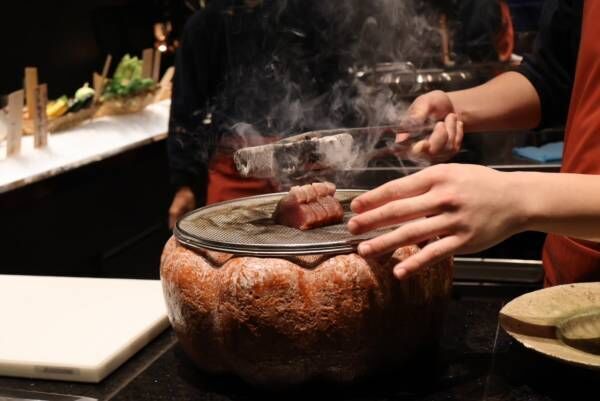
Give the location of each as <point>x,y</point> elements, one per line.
<point>84,97</point>
<point>129,69</point>
<point>84,93</point>
<point>127,80</point>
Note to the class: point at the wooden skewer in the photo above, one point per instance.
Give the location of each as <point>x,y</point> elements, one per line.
<point>100,80</point>
<point>98,85</point>
<point>147,56</point>
<point>156,66</point>
<point>31,83</point>
<point>165,84</point>
<point>15,123</point>
<point>168,77</point>
<point>107,64</point>
<point>40,120</point>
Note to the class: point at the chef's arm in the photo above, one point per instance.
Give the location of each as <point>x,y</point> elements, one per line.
<point>565,204</point>
<point>507,102</point>
<point>462,209</point>
<point>537,95</point>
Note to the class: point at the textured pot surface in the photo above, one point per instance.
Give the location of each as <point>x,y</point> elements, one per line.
<point>281,321</point>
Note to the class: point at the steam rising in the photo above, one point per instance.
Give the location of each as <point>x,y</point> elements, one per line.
<point>304,78</point>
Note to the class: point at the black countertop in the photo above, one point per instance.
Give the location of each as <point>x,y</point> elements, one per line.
<point>477,360</point>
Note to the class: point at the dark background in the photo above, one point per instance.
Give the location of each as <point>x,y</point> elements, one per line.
<point>69,40</point>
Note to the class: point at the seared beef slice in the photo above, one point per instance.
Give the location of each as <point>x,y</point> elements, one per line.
<point>309,206</point>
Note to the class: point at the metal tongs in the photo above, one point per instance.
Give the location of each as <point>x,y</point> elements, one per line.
<point>334,149</point>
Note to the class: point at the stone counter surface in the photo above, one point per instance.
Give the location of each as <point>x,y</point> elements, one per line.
<point>89,142</point>
<point>477,360</point>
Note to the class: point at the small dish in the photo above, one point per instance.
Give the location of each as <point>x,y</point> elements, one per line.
<point>535,320</point>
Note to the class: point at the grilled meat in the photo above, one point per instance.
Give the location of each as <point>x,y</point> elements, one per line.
<point>309,206</point>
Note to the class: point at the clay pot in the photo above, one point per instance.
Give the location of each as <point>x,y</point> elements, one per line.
<point>276,321</point>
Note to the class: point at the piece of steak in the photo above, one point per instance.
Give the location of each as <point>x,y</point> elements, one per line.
<point>309,206</point>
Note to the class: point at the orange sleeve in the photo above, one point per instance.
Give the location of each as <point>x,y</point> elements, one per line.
<point>505,42</point>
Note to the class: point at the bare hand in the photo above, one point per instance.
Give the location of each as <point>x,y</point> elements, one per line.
<point>183,202</point>
<point>469,208</point>
<point>446,139</point>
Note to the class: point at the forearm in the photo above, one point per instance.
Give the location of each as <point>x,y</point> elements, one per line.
<point>507,102</point>
<point>565,204</point>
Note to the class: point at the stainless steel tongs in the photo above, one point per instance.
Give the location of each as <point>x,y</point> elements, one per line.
<point>333,149</point>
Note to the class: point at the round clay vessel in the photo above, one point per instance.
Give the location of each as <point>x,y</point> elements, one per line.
<point>276,321</point>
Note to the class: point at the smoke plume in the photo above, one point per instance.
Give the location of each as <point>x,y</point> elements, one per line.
<point>305,75</point>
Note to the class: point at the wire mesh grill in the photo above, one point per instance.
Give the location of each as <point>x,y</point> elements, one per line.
<point>245,226</point>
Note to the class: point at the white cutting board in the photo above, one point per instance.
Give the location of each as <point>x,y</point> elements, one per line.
<point>75,329</point>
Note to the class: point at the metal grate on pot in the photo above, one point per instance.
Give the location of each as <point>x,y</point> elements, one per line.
<point>244,226</point>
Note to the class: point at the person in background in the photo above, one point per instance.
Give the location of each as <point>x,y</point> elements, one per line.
<point>248,61</point>
<point>485,30</point>
<point>470,208</point>
<point>240,65</point>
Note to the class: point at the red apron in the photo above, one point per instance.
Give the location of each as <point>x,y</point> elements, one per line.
<point>568,260</point>
<point>505,41</point>
<point>224,182</point>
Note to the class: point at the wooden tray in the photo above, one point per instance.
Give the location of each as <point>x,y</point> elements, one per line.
<point>127,105</point>
<point>64,122</point>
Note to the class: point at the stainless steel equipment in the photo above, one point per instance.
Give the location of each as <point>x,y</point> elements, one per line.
<point>408,81</point>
